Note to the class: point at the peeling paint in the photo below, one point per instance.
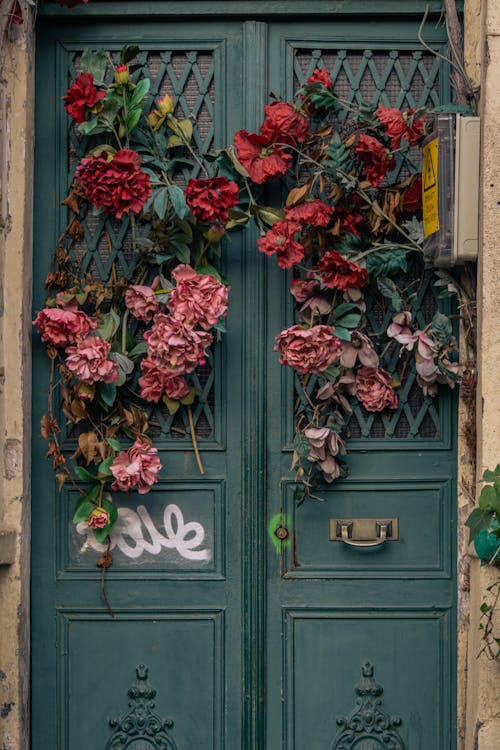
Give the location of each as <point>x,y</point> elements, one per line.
<point>12,456</point>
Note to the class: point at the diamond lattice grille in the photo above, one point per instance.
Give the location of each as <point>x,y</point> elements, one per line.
<point>402,79</point>
<point>106,243</point>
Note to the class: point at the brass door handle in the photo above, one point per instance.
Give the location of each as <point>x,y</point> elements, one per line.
<point>378,542</point>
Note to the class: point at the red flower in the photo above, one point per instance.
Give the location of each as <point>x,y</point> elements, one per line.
<point>284,123</point>
<point>399,125</point>
<point>412,199</point>
<point>280,240</point>
<point>394,124</point>
<point>81,97</point>
<point>414,127</point>
<point>347,222</point>
<point>374,157</point>
<point>339,273</point>
<point>116,183</point>
<point>262,160</point>
<point>210,200</point>
<point>320,75</point>
<point>313,212</point>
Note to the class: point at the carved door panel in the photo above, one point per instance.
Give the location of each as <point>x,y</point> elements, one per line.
<point>207,651</point>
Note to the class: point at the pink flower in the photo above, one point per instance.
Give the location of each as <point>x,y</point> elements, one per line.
<point>62,327</point>
<point>89,362</point>
<point>176,348</point>
<point>399,330</point>
<point>360,347</point>
<point>308,349</point>
<point>198,299</point>
<point>374,390</point>
<point>155,382</point>
<point>138,467</point>
<point>98,519</point>
<point>280,239</point>
<point>141,301</point>
<point>303,290</point>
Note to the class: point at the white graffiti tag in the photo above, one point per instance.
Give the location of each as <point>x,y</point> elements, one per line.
<point>128,534</point>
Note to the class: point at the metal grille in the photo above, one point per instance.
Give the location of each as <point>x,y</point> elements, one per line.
<point>402,79</point>
<point>187,76</point>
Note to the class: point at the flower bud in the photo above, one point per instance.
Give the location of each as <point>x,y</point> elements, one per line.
<point>165,105</point>
<point>98,519</point>
<point>215,233</point>
<point>85,392</point>
<point>122,75</point>
<point>154,119</point>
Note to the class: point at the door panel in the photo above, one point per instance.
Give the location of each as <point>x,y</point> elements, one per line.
<point>245,648</point>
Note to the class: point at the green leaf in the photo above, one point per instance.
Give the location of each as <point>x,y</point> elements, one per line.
<point>84,475</point>
<point>485,608</point>
<point>490,476</point>
<point>386,262</point>
<point>349,321</point>
<point>342,309</point>
<point>89,126</point>
<point>83,510</point>
<point>112,106</point>
<point>125,367</point>
<point>94,62</point>
<point>140,92</point>
<point>342,333</point>
<point>107,392</point>
<point>208,270</point>
<point>109,325</point>
<point>115,444</point>
<point>178,201</point>
<point>172,406</point>
<point>488,498</point>
<point>133,118</point>
<point>138,350</point>
<point>331,373</point>
<point>128,53</point>
<point>441,327</point>
<point>478,520</point>
<point>104,468</point>
<point>190,397</point>
<point>268,215</point>
<point>182,253</point>
<point>302,445</point>
<point>161,202</point>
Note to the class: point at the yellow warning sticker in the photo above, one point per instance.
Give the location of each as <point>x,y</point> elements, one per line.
<point>430,187</point>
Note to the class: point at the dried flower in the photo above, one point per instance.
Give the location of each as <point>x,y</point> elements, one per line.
<point>138,468</point>
<point>308,349</point>
<point>89,362</point>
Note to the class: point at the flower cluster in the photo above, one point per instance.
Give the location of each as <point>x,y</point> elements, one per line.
<point>131,343</point>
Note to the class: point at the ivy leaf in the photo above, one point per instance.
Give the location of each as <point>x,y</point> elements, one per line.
<point>478,520</point>
<point>302,445</point>
<point>441,327</point>
<point>94,62</point>
<point>387,262</point>
<point>490,476</point>
<point>488,498</point>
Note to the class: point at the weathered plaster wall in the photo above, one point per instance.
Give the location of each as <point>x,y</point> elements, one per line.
<point>16,173</point>
<point>483,58</point>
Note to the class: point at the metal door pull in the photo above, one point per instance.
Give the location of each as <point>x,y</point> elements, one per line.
<point>364,532</point>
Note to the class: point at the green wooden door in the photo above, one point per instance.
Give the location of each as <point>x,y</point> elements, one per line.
<point>245,648</point>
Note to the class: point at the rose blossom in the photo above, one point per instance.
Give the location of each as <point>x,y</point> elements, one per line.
<point>210,200</point>
<point>154,382</point>
<point>303,290</point>
<point>374,157</point>
<point>141,301</point>
<point>138,467</point>
<point>394,124</point>
<point>259,157</point>
<point>339,273</point>
<point>308,349</point>
<point>98,519</point>
<point>320,75</point>
<point>82,96</point>
<point>198,299</point>
<point>284,123</point>
<point>280,240</point>
<point>115,182</point>
<point>313,212</point>
<point>63,327</point>
<point>89,362</point>
<point>374,390</point>
<point>176,348</point>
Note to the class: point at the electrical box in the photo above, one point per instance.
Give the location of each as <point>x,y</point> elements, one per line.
<point>450,189</point>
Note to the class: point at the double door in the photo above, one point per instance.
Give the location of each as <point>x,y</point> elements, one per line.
<point>246,645</point>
